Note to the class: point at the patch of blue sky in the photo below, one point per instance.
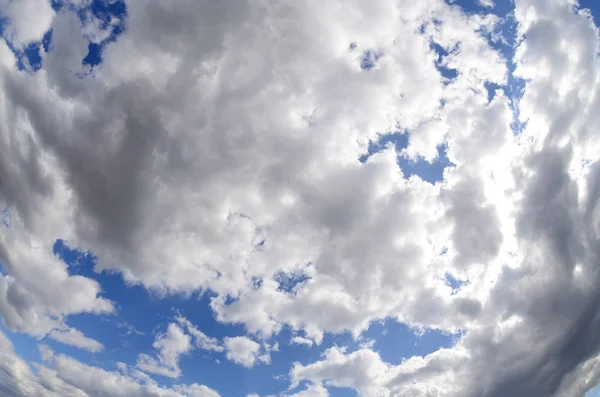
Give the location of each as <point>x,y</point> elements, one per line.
<point>140,315</point>
<point>288,282</point>
<point>431,172</point>
<point>395,341</point>
<point>454,283</point>
<point>593,6</point>
<point>595,392</point>
<point>149,313</point>
<point>449,74</point>
<point>25,346</point>
<point>6,220</point>
<point>369,58</point>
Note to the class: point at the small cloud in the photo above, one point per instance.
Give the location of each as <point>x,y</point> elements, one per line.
<point>129,329</point>
<point>170,346</point>
<point>299,340</point>
<point>201,340</point>
<point>74,337</point>
<point>46,353</point>
<point>243,350</point>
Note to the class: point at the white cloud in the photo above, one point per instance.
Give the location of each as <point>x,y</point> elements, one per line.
<point>525,339</point>
<point>28,20</point>
<point>201,340</point>
<point>16,378</point>
<point>299,340</point>
<point>181,338</point>
<point>62,376</point>
<point>362,370</point>
<point>97,382</point>
<point>243,350</point>
<point>271,180</point>
<point>74,337</point>
<point>37,310</point>
<point>196,390</point>
<point>170,347</point>
<point>223,149</point>
<point>311,390</point>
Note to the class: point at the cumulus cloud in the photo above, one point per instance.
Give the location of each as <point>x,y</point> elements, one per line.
<point>94,381</point>
<point>181,338</point>
<point>28,20</point>
<point>243,350</point>
<point>76,338</point>
<point>299,340</point>
<point>63,376</point>
<point>217,148</point>
<point>311,390</point>
<point>170,347</point>
<point>201,340</point>
<point>37,305</point>
<point>208,182</point>
<point>530,340</point>
<point>362,370</point>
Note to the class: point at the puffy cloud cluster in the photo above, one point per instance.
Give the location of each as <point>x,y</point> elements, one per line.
<point>238,161</point>
<point>217,148</point>
<point>170,347</point>
<point>245,351</point>
<point>182,337</point>
<point>62,376</point>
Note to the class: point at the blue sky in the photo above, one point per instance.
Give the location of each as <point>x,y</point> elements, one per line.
<point>149,314</point>
<point>142,315</point>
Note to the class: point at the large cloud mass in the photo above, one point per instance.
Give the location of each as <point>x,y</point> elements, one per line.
<point>217,147</point>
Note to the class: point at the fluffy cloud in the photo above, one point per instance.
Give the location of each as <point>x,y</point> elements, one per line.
<point>29,19</point>
<point>182,337</point>
<point>230,197</point>
<point>16,378</point>
<point>62,376</point>
<point>170,346</point>
<point>201,340</point>
<point>76,338</point>
<point>37,309</point>
<point>217,148</point>
<point>362,370</point>
<point>311,391</point>
<point>528,339</point>
<point>299,340</point>
<point>98,382</point>
<point>244,351</point>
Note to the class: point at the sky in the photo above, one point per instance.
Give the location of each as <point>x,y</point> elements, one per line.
<point>299,198</point>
